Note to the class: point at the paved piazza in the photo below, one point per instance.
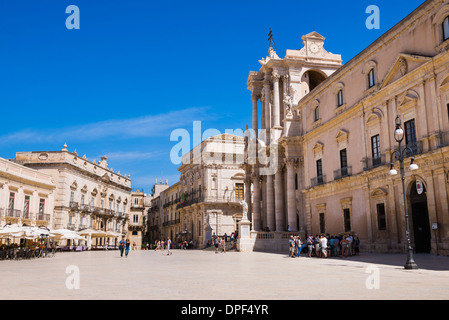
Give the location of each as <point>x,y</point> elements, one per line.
<point>204,275</point>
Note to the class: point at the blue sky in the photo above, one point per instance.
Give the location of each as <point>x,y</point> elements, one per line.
<point>138,69</point>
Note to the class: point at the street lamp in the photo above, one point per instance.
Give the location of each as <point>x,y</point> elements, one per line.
<point>400,155</point>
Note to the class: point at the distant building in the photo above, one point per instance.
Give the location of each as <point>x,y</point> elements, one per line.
<point>88,194</point>
<point>137,219</point>
<point>26,196</point>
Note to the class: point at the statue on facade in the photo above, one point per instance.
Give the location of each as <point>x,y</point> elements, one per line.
<point>245,209</point>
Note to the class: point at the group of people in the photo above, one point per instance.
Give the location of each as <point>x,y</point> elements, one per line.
<point>220,244</point>
<point>324,246</point>
<point>162,245</point>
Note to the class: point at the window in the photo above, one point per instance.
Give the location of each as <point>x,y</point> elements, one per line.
<point>381,220</point>
<point>41,206</point>
<point>347,219</point>
<point>410,133</point>
<point>319,171</point>
<point>72,196</point>
<point>375,149</point>
<point>26,206</point>
<point>371,81</point>
<point>135,218</point>
<point>239,191</point>
<point>82,199</point>
<point>136,201</point>
<point>12,196</point>
<point>316,114</point>
<point>343,162</point>
<point>340,98</point>
<point>296,181</point>
<point>446,29</point>
<point>322,223</point>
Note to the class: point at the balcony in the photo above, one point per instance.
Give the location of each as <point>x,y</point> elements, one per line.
<point>318,180</point>
<point>442,139</point>
<point>85,208</point>
<point>73,205</point>
<point>413,149</point>
<point>371,163</point>
<point>13,213</point>
<point>26,215</point>
<point>43,217</point>
<point>342,172</point>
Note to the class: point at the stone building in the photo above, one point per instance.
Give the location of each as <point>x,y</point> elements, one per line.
<point>155,213</point>
<point>140,204</point>
<point>88,195</point>
<point>26,196</point>
<point>332,127</point>
<point>211,186</point>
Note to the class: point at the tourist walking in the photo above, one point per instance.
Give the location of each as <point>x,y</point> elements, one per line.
<point>223,245</point>
<point>121,246</point>
<point>216,244</point>
<point>168,247</point>
<point>127,247</point>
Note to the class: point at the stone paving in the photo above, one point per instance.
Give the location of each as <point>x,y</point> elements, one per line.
<point>204,275</point>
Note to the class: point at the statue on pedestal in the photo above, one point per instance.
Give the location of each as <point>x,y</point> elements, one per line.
<point>245,209</point>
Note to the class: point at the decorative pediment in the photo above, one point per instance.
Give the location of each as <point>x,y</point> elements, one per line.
<point>404,63</point>
<point>84,189</point>
<point>342,138</point>
<point>238,176</point>
<point>379,193</point>
<point>407,99</point>
<point>318,150</point>
<point>74,185</point>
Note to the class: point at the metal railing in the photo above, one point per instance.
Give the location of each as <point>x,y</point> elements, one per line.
<point>342,172</point>
<point>318,180</point>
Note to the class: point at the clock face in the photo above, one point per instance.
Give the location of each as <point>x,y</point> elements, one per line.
<point>314,48</point>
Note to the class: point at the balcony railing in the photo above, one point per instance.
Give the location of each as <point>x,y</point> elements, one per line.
<point>13,213</point>
<point>442,139</point>
<point>26,215</point>
<point>43,217</point>
<point>73,205</point>
<point>370,163</point>
<point>318,180</point>
<point>342,172</point>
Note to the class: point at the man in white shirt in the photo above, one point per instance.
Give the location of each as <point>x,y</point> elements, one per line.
<point>323,242</point>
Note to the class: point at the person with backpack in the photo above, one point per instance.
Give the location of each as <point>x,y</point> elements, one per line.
<point>121,246</point>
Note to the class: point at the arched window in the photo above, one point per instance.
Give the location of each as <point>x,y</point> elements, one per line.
<point>446,29</point>
<point>371,81</point>
<point>340,98</point>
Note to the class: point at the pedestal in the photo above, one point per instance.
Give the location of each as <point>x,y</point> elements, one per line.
<point>244,242</point>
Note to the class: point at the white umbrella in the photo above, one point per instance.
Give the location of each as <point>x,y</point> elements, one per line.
<point>93,233</point>
<point>72,236</point>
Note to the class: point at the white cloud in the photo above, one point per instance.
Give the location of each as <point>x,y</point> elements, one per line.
<point>146,126</point>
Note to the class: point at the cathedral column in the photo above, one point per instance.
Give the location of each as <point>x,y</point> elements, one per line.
<point>267,93</point>
<point>270,203</point>
<point>257,223</point>
<point>279,199</point>
<point>254,98</point>
<point>276,103</point>
<point>248,191</point>
<point>291,193</point>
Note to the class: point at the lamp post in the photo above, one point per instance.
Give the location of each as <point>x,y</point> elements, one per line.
<point>400,155</point>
